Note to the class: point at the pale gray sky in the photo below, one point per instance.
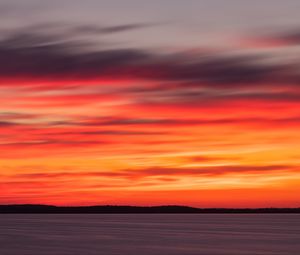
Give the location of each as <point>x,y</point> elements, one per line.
<point>176,23</point>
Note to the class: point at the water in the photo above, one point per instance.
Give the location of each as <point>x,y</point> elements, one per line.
<point>221,234</point>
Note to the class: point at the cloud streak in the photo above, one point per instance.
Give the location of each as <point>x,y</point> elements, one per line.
<point>161,172</point>
<point>81,116</point>
<point>33,55</point>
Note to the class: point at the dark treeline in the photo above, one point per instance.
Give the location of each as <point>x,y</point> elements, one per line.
<point>135,209</point>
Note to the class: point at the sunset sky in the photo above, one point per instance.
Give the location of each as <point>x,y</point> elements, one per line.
<point>193,102</point>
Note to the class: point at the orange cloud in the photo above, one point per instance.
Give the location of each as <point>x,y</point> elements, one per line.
<point>140,127</point>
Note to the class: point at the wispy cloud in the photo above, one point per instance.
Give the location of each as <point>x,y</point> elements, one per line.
<point>130,117</point>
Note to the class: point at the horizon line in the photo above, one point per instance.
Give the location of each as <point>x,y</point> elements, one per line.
<point>127,209</point>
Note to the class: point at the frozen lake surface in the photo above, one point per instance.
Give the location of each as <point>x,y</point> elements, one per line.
<point>150,234</point>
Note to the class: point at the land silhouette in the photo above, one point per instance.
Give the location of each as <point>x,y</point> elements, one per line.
<point>111,209</point>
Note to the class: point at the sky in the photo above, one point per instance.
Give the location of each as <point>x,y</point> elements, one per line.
<point>150,102</point>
